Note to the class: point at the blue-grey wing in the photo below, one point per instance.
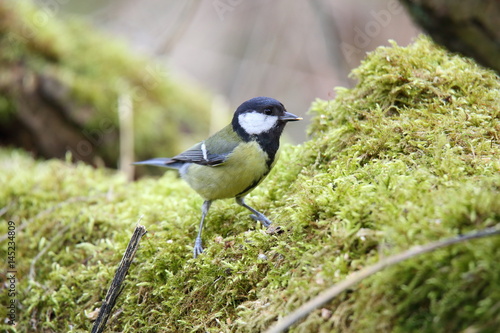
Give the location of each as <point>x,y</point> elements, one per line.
<point>198,154</point>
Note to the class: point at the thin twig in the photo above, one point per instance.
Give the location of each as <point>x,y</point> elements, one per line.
<point>116,285</point>
<point>126,120</point>
<point>354,278</point>
<point>4,210</point>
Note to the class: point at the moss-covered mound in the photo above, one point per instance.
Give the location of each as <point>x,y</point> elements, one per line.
<point>408,156</point>
<point>60,83</point>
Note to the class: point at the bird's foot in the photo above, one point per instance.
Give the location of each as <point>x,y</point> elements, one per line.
<point>275,230</point>
<point>198,248</point>
<point>262,219</point>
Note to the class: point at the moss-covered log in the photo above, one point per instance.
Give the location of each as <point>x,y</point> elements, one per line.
<point>60,82</point>
<point>470,27</point>
<point>408,156</point>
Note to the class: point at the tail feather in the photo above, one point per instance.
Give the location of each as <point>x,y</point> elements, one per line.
<point>161,162</point>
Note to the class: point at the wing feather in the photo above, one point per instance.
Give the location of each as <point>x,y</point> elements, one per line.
<point>211,152</point>
<point>199,154</point>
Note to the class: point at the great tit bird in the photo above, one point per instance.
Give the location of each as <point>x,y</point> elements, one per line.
<point>233,161</point>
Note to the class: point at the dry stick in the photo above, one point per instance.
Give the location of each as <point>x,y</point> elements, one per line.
<point>126,119</point>
<point>4,210</point>
<point>115,288</point>
<point>356,277</point>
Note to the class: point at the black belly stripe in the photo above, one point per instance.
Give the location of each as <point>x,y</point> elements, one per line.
<point>269,142</point>
<point>253,185</point>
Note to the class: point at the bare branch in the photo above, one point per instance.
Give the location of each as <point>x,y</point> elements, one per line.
<point>356,277</point>
<point>116,285</point>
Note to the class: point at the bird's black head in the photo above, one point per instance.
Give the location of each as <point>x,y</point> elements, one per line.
<point>261,115</point>
<point>262,119</point>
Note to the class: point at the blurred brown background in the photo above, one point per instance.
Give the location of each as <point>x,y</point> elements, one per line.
<point>237,49</point>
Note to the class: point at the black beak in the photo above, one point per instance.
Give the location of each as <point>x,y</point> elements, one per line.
<point>289,117</point>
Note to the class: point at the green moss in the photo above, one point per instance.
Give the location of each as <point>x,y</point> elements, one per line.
<point>94,71</point>
<point>408,156</point>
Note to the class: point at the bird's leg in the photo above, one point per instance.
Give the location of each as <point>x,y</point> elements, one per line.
<point>198,248</point>
<point>257,216</point>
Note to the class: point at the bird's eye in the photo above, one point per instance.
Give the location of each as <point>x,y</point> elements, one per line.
<point>268,111</point>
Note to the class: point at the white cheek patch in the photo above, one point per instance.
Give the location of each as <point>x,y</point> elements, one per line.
<point>256,123</point>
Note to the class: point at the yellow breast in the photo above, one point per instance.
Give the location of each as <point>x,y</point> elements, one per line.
<point>244,169</point>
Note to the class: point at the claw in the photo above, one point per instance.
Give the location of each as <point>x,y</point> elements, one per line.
<point>262,219</point>
<point>198,248</point>
<point>257,216</point>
